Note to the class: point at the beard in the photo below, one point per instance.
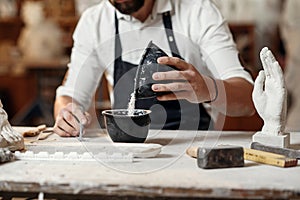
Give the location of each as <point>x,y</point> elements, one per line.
<point>129,7</point>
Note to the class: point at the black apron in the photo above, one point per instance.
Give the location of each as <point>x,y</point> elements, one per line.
<point>172,115</point>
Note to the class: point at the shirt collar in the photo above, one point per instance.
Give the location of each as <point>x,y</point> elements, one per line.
<point>160,6</point>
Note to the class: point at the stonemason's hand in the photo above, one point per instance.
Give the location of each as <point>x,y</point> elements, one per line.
<point>187,83</point>
<point>270,95</point>
<point>69,118</point>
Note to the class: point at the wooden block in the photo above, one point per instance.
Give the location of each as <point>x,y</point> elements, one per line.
<point>44,135</point>
<point>41,127</point>
<point>31,133</point>
<point>192,151</point>
<point>269,158</point>
<point>34,131</point>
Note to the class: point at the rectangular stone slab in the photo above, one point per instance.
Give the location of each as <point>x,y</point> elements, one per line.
<point>220,157</point>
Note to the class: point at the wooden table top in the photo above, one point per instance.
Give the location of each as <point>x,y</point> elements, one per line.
<point>171,174</point>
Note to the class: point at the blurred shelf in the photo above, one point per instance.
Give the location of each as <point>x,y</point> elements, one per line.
<point>10,29</point>
<point>244,36</point>
<point>68,25</point>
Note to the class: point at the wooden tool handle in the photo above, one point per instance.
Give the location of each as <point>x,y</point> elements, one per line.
<point>192,151</point>
<point>269,158</point>
<point>44,135</point>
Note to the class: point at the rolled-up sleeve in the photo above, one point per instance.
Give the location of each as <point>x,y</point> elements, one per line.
<point>217,46</point>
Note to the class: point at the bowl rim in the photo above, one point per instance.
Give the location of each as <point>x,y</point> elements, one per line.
<point>109,112</point>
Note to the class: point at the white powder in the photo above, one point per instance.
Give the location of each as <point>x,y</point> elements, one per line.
<point>131,104</point>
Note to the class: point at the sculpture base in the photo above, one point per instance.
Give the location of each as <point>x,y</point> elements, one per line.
<point>282,141</point>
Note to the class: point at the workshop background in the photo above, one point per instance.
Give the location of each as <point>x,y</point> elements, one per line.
<point>32,65</point>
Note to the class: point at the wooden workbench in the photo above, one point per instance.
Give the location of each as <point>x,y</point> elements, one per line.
<point>171,174</point>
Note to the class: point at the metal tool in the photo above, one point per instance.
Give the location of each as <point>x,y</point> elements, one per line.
<point>290,153</point>
<point>81,128</point>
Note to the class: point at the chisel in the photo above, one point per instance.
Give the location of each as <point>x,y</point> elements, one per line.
<point>81,127</point>
<point>290,153</point>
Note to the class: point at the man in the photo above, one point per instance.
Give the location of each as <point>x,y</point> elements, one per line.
<point>111,35</point>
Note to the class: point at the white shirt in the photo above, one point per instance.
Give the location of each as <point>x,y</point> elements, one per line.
<point>202,36</point>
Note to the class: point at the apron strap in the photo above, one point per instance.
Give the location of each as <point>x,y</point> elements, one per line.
<point>119,71</point>
<point>170,34</point>
<point>118,46</point>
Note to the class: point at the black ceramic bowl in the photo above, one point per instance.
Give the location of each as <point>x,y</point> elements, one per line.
<point>122,127</point>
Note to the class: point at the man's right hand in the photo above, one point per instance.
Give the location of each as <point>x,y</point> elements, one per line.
<point>68,120</point>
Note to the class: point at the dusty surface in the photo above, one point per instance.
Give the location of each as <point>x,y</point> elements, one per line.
<point>171,174</point>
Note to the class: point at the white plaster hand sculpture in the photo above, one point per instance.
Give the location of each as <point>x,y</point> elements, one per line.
<point>270,95</point>
<point>9,138</point>
<point>270,99</point>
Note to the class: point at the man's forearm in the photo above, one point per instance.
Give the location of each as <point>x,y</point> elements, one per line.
<point>60,103</point>
<point>234,97</point>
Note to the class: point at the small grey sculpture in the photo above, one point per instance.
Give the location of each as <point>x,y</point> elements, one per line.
<point>6,155</point>
<point>9,138</point>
